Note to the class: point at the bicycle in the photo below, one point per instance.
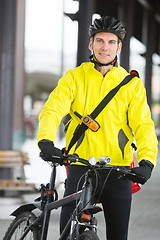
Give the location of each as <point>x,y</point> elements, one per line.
<point>82,224</point>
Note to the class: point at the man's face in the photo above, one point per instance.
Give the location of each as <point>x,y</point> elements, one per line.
<point>105,46</point>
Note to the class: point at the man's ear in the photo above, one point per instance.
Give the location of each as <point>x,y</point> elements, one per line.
<point>119,47</point>
<point>90,44</point>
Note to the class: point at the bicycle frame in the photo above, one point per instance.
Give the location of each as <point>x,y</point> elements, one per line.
<point>46,203</point>
<point>84,194</point>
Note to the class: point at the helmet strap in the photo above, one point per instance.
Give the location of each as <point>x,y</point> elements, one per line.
<point>94,60</point>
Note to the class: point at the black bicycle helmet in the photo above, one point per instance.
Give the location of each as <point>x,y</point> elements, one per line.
<point>107,24</point>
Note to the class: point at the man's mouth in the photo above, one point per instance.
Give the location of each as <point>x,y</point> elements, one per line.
<point>104,54</point>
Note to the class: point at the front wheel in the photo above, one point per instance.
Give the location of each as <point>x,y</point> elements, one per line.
<point>88,235</point>
<point>18,226</point>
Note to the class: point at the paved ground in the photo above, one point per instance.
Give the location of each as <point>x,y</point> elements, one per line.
<point>145,214</point>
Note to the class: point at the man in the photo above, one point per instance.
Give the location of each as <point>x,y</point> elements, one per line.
<point>81,90</point>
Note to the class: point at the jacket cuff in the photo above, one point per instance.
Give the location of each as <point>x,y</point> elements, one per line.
<point>146,162</point>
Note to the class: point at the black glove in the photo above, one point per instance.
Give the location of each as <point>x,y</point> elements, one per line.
<point>145,169</point>
<point>48,150</point>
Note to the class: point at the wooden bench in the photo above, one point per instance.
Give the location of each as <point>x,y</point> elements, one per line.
<point>15,160</point>
<point>11,159</point>
<point>18,185</point>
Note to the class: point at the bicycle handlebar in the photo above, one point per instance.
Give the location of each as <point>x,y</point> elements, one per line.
<point>68,159</point>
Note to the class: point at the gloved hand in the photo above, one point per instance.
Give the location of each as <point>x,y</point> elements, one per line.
<point>145,169</point>
<point>48,150</point>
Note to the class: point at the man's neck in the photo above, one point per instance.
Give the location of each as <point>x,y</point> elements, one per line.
<point>103,69</point>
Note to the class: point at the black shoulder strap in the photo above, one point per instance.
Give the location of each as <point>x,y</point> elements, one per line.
<point>82,127</point>
<point>109,96</point>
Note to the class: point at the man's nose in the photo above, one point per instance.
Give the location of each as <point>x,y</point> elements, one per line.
<point>105,46</point>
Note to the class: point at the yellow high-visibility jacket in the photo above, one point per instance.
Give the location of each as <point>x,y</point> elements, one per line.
<point>128,113</point>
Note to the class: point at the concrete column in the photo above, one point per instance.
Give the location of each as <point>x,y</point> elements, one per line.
<point>18,118</point>
<point>148,38</point>
<point>126,15</point>
<point>7,57</point>
<point>86,10</point>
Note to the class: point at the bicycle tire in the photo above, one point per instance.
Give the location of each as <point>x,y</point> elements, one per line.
<point>17,226</point>
<point>88,235</point>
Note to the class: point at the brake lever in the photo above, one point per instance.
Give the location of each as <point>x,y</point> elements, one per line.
<point>126,172</point>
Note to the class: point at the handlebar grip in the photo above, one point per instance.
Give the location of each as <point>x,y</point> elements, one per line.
<point>52,159</point>
<point>41,155</point>
<point>135,177</point>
